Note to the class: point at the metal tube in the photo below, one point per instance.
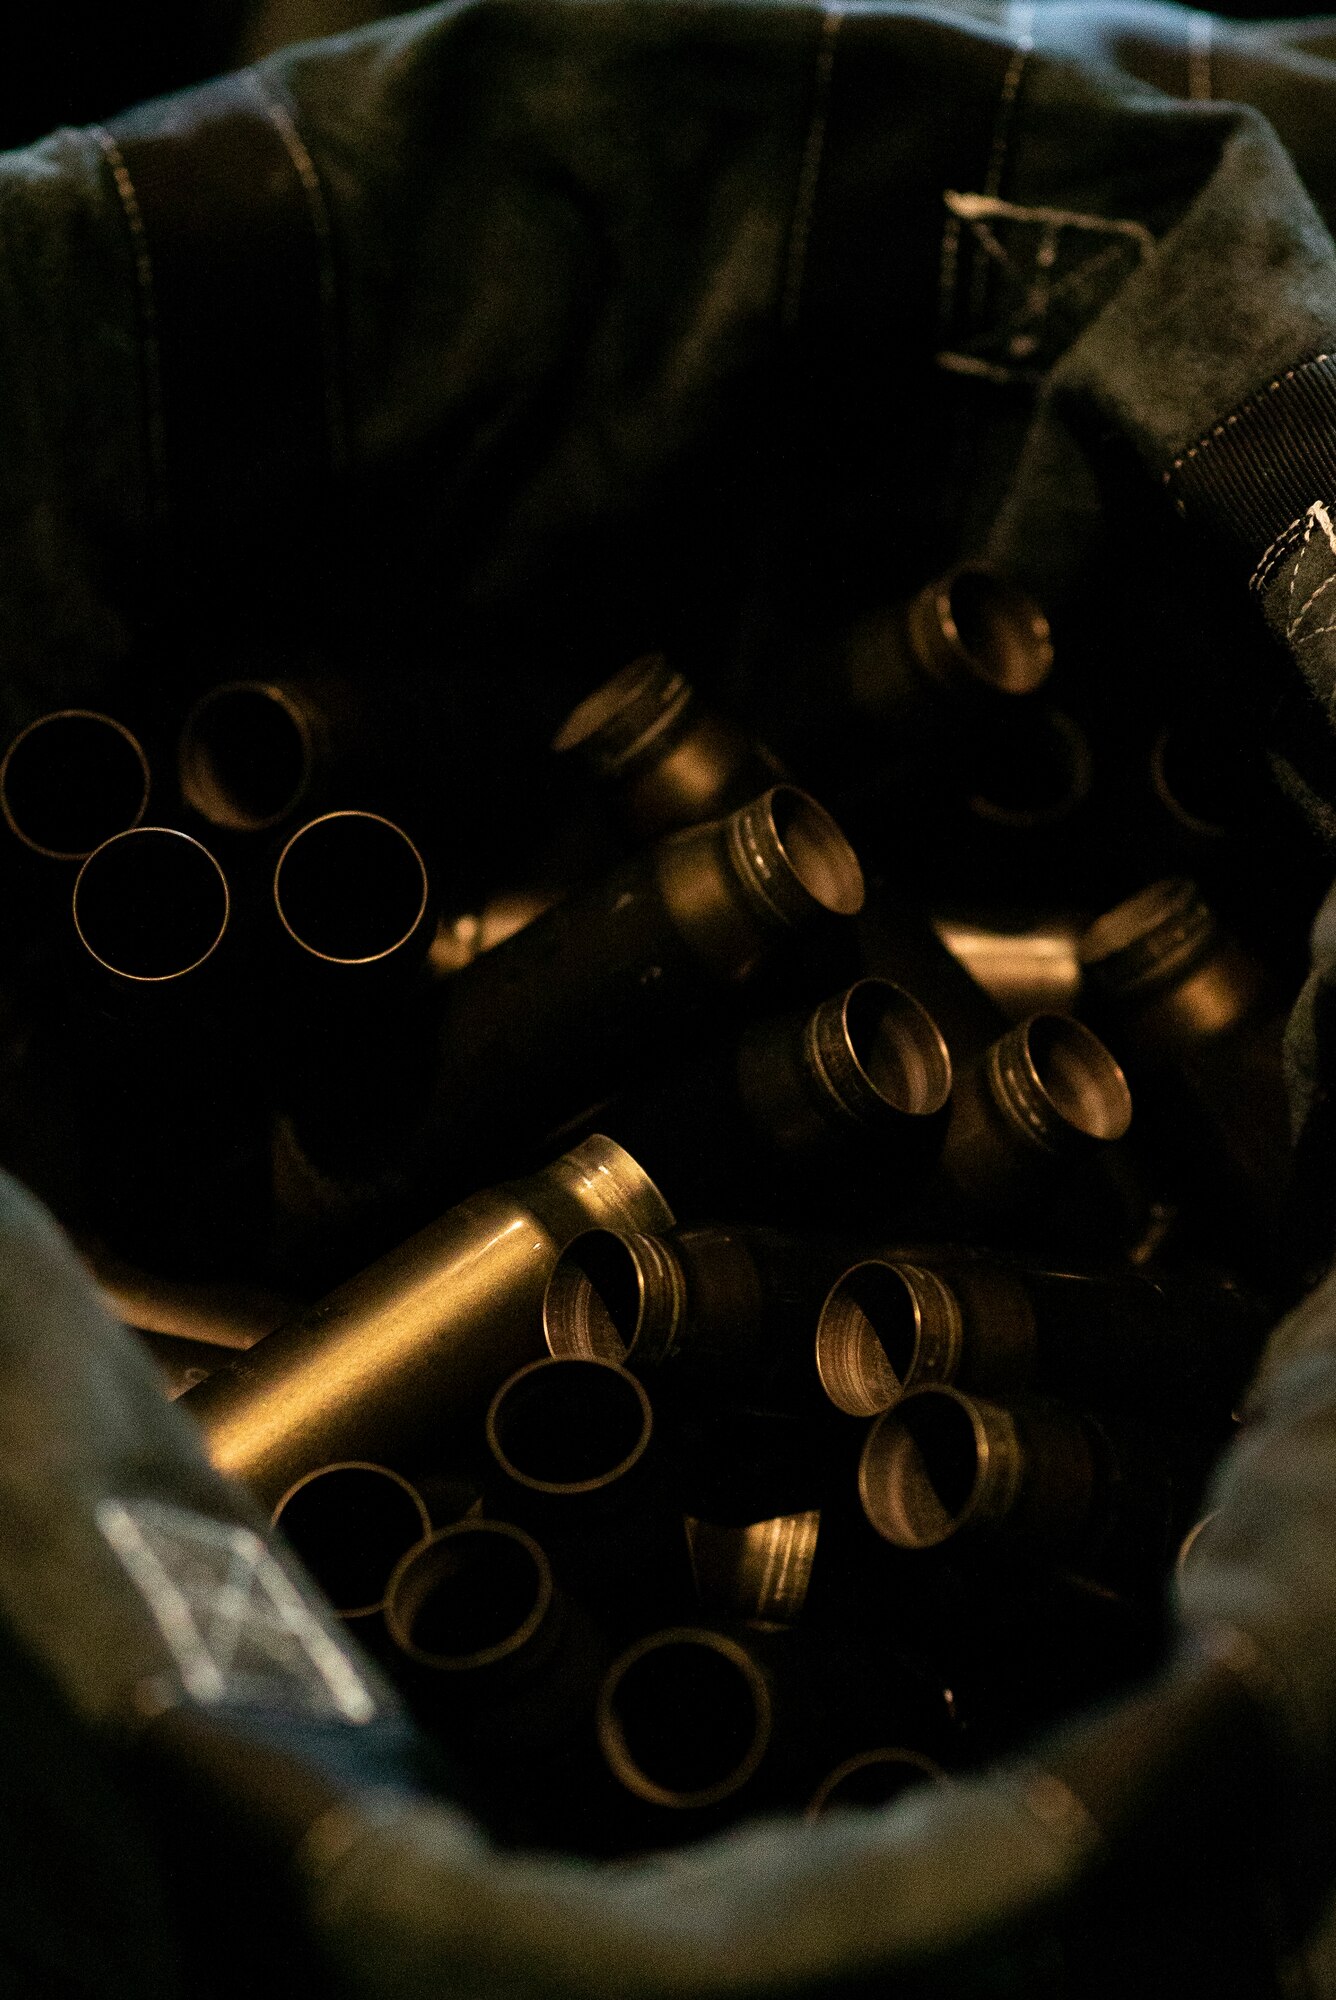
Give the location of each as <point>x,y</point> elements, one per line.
<point>1045,1096</point>
<point>684,1718</point>
<point>668,760</point>
<point>732,1309</point>
<point>941,1464</point>
<point>1110,1339</point>
<point>349,1525</point>
<point>70,781</point>
<point>886,1327</point>
<point>151,905</point>
<point>1032,772</point>
<point>248,753</point>
<point>425,1334</point>
<point>969,639</point>
<point>867,1073</point>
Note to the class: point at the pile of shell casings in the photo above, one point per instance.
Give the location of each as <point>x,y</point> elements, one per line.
<point>784,1269</point>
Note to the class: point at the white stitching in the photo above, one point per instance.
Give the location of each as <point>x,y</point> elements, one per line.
<point>1205,442</point>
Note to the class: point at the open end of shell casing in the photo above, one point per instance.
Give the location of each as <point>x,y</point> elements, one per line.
<point>939,1463</point>
<point>351,888</point>
<point>569,1427</point>
<point>349,1525</point>
<point>469,1598</point>
<point>684,1718</point>
<point>70,781</point>
<point>151,904</point>
<point>885,1327</point>
<point>246,755</point>
<point>874,1778</point>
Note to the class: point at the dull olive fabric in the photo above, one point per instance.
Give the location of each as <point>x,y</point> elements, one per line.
<point>556,327</point>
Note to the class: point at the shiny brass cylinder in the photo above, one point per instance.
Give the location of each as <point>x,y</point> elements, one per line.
<point>1201,1028</point>
<point>969,639</point>
<point>866,1073</point>
<point>667,759</point>
<point>349,1525</point>
<point>1161,968</point>
<point>71,781</point>
<point>151,905</point>
<point>942,1465</point>
<point>1046,1096</point>
<point>424,1334</point>
<point>684,1718</point>
<point>874,1778</point>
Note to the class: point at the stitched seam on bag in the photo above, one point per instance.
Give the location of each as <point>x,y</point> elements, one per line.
<point>1255,402</point>
<point>809,172</point>
<point>318,209</point>
<point>155,428</point>
<point>1275,555</point>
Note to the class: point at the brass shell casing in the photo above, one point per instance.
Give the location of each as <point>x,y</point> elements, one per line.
<point>426,1332</point>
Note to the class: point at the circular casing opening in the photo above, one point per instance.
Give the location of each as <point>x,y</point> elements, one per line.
<point>684,1718</point>
<point>351,888</point>
<point>1058,1084</point>
<point>935,1465</point>
<point>71,781</point>
<point>568,1426</point>
<point>594,1306</point>
<point>246,756</point>
<point>875,1778</point>
<point>349,1524</point>
<point>469,1597</point>
<point>884,1328</point>
<point>994,630</point>
<point>882,1053</point>
<point>151,904</point>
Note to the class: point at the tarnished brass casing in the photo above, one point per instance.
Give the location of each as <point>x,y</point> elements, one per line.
<point>1198,1020</point>
<point>941,1464</point>
<point>425,1333</point>
<point>757,1573</point>
<point>536,1032</point>
<point>1160,967</point>
<point>1046,1097</point>
<point>727,1310</point>
<point>1110,1338</point>
<point>684,1718</point>
<point>667,759</point>
<point>968,639</point>
<point>251,752</point>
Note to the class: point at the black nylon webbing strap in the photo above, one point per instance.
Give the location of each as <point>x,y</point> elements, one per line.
<point>1258,471</point>
<point>231,243</point>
